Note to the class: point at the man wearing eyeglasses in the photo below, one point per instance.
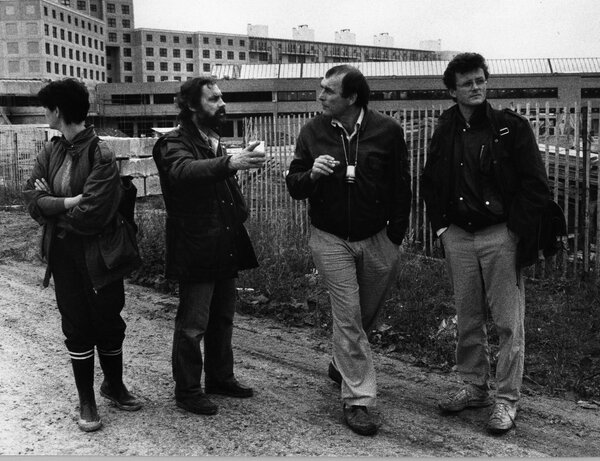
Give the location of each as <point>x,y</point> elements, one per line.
<point>485,187</point>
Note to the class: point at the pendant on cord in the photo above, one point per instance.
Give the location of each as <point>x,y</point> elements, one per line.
<point>350,176</point>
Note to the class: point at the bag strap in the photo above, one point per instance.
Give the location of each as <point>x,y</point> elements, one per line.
<point>92,151</point>
<point>506,139</point>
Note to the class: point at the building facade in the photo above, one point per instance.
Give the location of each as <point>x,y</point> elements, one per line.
<point>164,55</point>
<point>288,89</point>
<point>96,41</point>
<point>52,39</point>
<point>265,50</point>
<point>119,39</point>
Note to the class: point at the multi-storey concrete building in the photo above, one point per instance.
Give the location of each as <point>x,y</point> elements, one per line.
<point>166,55</point>
<point>345,36</point>
<point>383,39</point>
<point>290,89</point>
<point>265,50</point>
<point>96,41</point>
<point>119,40</point>
<point>52,39</point>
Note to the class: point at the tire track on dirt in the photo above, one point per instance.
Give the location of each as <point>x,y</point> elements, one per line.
<point>296,410</point>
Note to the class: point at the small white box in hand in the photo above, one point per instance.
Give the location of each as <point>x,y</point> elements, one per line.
<point>260,148</point>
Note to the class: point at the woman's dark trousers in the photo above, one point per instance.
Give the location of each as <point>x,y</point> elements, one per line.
<point>89,318</point>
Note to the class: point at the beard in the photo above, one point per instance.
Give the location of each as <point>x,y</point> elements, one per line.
<point>213,121</point>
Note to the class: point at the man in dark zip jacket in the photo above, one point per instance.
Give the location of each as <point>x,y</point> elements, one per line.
<point>206,243</point>
<point>351,164</point>
<point>485,187</point>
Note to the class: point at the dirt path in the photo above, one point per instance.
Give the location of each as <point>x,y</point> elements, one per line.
<point>296,410</point>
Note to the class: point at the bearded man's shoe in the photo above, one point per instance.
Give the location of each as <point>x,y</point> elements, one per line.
<point>200,405</point>
<point>230,388</point>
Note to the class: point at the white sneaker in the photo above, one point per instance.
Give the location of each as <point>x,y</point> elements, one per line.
<point>502,418</point>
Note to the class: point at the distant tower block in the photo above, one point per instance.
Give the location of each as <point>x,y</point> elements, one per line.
<point>302,32</point>
<point>383,39</point>
<point>345,36</point>
<point>431,45</point>
<point>257,30</point>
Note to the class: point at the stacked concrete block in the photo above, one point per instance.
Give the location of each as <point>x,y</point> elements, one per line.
<point>134,156</point>
<point>130,147</point>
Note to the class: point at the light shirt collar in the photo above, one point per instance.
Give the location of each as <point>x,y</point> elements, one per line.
<point>210,137</point>
<point>335,122</point>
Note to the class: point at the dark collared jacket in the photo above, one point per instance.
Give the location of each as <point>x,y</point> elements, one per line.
<point>381,194</point>
<point>100,185</point>
<point>205,236</point>
<point>517,168</point>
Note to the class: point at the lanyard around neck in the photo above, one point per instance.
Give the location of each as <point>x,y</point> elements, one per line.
<point>344,146</point>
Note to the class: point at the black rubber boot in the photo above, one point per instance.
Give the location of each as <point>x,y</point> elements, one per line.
<point>83,371</point>
<point>112,387</point>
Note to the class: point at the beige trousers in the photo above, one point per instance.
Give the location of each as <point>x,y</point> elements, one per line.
<point>482,268</point>
<point>357,275</point>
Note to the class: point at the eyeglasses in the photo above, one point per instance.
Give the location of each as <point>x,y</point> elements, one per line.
<point>472,84</point>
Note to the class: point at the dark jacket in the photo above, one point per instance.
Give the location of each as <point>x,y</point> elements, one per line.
<point>517,168</point>
<point>381,195</point>
<point>205,236</point>
<point>100,185</point>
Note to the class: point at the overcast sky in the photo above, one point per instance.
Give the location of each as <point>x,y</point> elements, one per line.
<point>495,28</point>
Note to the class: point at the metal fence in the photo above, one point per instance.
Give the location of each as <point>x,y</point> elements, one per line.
<point>566,136</point>
<point>19,147</point>
<point>567,142</point>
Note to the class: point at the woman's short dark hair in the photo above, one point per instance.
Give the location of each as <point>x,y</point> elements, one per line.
<point>70,96</point>
<point>352,82</point>
<point>463,63</point>
<point>189,96</point>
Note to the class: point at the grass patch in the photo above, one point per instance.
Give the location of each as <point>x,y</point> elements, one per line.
<point>285,286</point>
<point>11,196</point>
<point>150,217</point>
<point>562,325</point>
<point>417,323</point>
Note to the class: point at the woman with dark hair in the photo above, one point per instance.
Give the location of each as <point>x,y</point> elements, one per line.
<point>74,192</point>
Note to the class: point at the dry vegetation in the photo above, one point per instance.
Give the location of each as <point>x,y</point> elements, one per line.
<point>417,323</point>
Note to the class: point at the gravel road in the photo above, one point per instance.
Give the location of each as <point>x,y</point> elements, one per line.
<point>296,410</point>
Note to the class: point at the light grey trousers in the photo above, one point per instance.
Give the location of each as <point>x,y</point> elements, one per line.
<point>482,269</point>
<point>357,275</point>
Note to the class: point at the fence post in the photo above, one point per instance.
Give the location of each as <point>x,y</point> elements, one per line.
<point>266,194</point>
<point>15,163</point>
<point>597,210</point>
<point>586,191</point>
<point>565,259</point>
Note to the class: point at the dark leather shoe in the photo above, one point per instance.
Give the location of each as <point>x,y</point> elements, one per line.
<point>121,397</point>
<point>334,374</point>
<point>357,417</point>
<point>201,405</point>
<point>230,388</point>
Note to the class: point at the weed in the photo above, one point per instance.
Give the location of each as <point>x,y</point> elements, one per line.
<point>150,218</point>
<point>11,196</point>
<point>562,325</point>
<point>418,320</point>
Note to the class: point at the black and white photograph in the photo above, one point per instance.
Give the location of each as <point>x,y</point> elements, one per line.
<point>277,228</point>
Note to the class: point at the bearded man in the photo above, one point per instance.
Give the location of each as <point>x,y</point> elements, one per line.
<point>206,243</point>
